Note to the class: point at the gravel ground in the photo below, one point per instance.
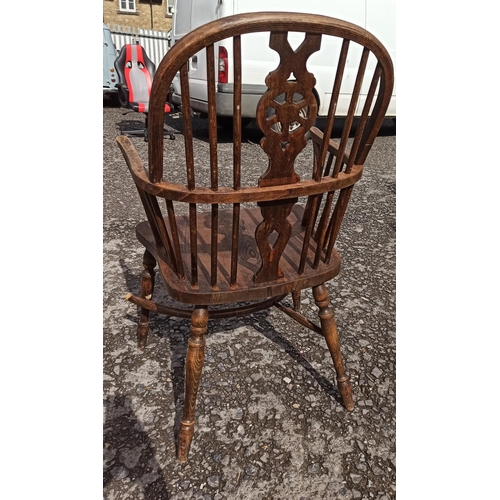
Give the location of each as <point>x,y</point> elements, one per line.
<point>269,421</point>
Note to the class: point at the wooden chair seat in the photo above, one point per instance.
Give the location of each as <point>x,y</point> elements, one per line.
<point>249,260</point>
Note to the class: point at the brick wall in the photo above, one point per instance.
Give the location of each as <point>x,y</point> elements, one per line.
<point>141,18</point>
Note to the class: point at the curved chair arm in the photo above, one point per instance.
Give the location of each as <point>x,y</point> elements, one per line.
<point>178,192</point>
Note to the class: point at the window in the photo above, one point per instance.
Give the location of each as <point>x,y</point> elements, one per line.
<point>127,5</point>
<point>170,7</point>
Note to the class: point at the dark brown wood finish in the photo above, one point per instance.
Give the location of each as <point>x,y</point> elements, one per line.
<point>329,329</point>
<point>244,253</point>
<point>194,365</point>
<point>214,166</point>
<point>147,287</point>
<point>236,155</point>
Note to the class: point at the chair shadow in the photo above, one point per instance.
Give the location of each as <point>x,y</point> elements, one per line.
<point>269,332</point>
<point>131,124</point>
<point>140,124</point>
<point>123,441</point>
<point>178,343</point>
<point>177,340</point>
<point>251,133</point>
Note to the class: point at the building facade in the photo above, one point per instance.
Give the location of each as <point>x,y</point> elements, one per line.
<point>145,14</point>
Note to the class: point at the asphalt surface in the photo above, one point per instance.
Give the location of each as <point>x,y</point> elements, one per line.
<point>269,421</point>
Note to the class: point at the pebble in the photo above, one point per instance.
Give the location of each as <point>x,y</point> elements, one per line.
<point>356,478</point>
<point>313,469</point>
<point>213,481</point>
<point>297,458</point>
<point>251,470</point>
<point>238,414</point>
<point>119,472</point>
<point>287,380</point>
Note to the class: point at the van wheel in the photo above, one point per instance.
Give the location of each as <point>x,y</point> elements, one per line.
<point>226,122</point>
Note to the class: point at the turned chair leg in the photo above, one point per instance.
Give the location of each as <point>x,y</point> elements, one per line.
<point>296,301</point>
<point>194,365</point>
<point>332,339</point>
<point>147,287</point>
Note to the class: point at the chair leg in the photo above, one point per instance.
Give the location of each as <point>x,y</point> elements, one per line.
<point>147,287</point>
<point>332,339</point>
<point>296,301</point>
<point>194,365</point>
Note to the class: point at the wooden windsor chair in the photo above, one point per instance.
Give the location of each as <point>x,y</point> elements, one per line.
<point>255,244</point>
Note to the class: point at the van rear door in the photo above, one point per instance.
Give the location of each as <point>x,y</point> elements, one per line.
<point>188,15</point>
<point>260,59</point>
<point>381,22</point>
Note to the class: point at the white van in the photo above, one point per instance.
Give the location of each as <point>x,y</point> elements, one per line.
<point>377,16</point>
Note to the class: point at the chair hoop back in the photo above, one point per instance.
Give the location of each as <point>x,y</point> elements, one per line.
<point>286,247</point>
<point>274,22</point>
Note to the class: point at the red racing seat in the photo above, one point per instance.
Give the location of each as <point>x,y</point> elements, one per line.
<point>136,72</point>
